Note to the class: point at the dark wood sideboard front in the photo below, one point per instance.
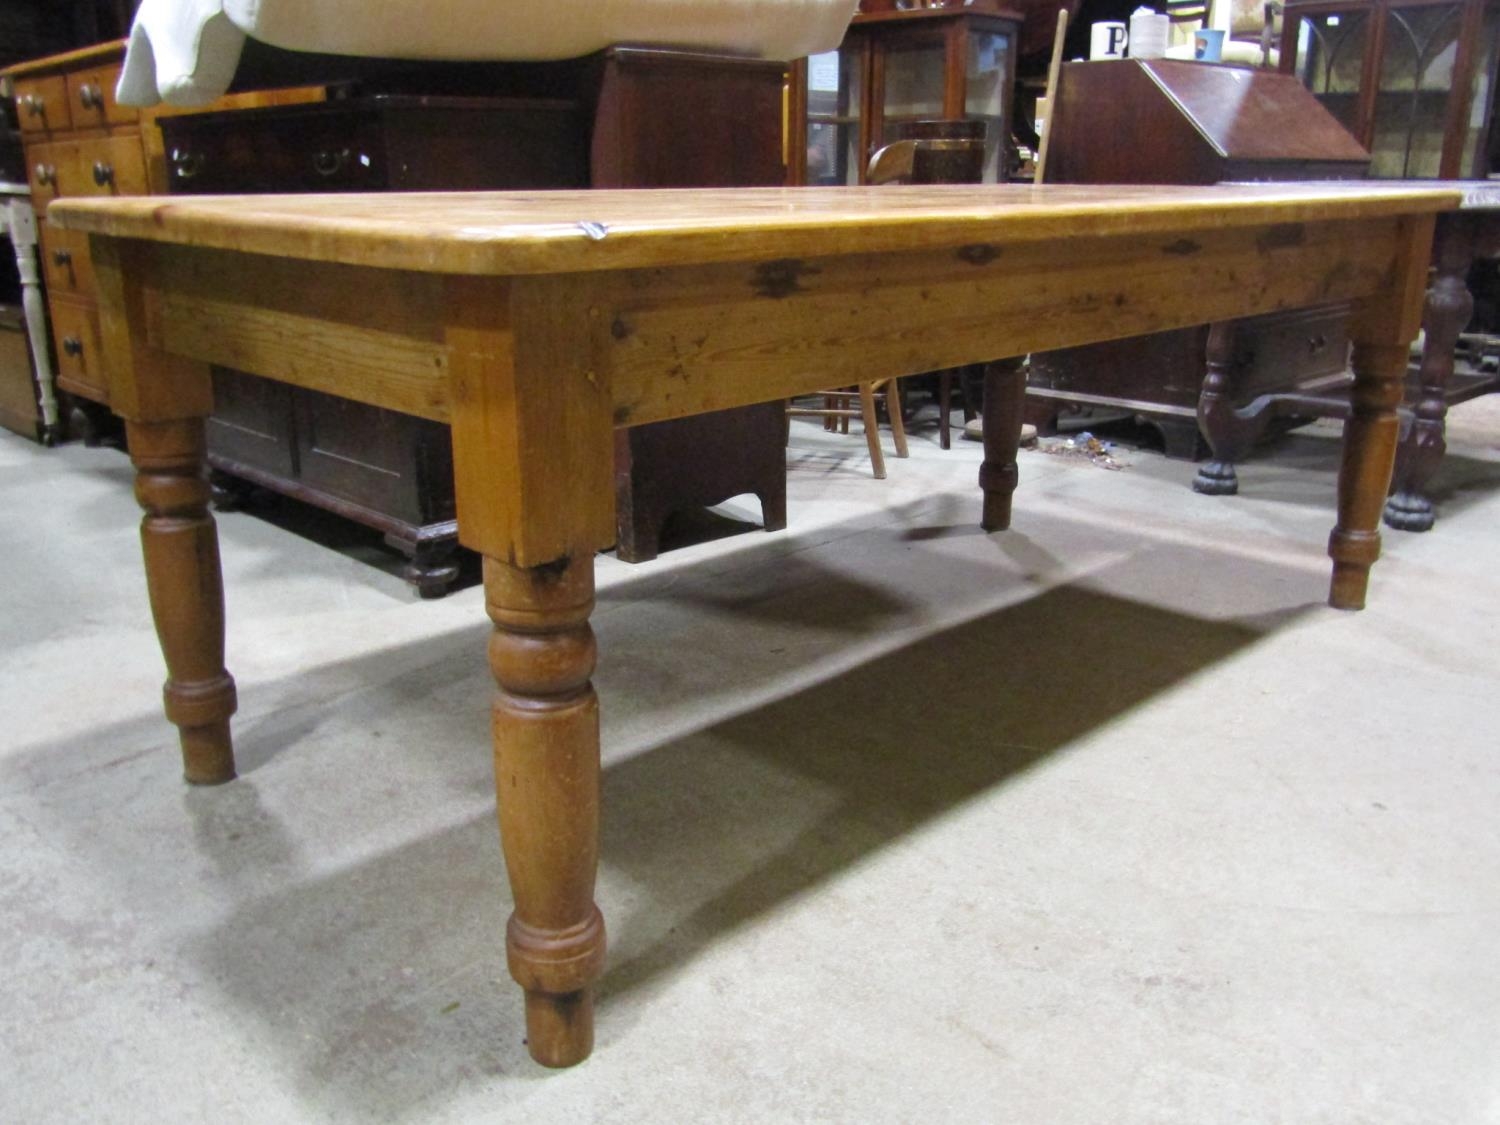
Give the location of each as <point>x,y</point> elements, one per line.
<point>629,118</point>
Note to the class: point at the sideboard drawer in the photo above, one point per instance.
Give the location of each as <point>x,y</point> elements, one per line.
<point>386,143</point>
<point>1301,345</point>
<point>315,152</point>
<point>91,99</point>
<point>65,261</point>
<point>108,166</point>
<point>42,104</point>
<point>75,335</point>
<point>50,168</point>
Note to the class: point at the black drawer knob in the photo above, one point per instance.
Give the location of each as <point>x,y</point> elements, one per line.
<point>103,173</point>
<point>62,257</point>
<point>90,96</point>
<point>1317,343</point>
<point>330,163</point>
<point>186,164</point>
<point>72,345</point>
<point>46,174</point>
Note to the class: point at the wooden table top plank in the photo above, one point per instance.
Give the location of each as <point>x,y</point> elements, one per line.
<point>510,233</point>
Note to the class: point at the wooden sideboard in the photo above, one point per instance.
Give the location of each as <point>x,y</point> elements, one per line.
<point>1170,122</point>
<point>628,118</point>
<point>80,142</point>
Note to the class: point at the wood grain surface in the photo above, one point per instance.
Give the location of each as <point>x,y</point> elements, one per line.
<point>570,231</point>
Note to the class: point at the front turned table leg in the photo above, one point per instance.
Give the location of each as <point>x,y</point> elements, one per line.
<point>546,732</point>
<point>181,548</point>
<point>1365,472</point>
<point>1004,402</point>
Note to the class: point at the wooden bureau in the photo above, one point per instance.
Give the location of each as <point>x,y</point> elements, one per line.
<point>80,142</point>
<point>1164,121</point>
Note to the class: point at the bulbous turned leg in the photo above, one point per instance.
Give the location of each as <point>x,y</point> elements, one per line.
<point>1365,471</point>
<point>181,548</point>
<point>1004,402</point>
<point>546,732</point>
<point>1216,477</point>
<point>1446,314</point>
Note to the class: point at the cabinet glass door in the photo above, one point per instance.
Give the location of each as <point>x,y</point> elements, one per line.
<point>915,78</point>
<point>834,93</point>
<point>986,81</point>
<point>1472,161</point>
<point>1411,99</point>
<point>1330,61</point>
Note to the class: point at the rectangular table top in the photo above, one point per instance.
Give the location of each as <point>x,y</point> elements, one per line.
<point>508,233</point>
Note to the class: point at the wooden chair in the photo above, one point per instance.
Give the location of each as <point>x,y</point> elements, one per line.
<point>838,408</point>
<point>930,152</point>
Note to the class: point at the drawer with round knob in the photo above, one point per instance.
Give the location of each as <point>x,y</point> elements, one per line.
<point>91,99</point>
<point>49,168</point>
<point>42,104</point>
<point>109,166</point>
<point>65,261</point>
<point>75,339</point>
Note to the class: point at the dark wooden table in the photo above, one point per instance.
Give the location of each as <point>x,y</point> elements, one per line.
<point>535,324</point>
<point>1461,237</point>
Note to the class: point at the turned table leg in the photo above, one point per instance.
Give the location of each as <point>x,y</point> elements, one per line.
<point>1365,470</point>
<point>1449,307</point>
<point>1004,403</point>
<point>1381,331</point>
<point>533,448</point>
<point>1216,417</point>
<point>546,734</point>
<point>181,548</point>
<point>164,399</point>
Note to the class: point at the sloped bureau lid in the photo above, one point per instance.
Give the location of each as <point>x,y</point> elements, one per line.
<point>1253,114</point>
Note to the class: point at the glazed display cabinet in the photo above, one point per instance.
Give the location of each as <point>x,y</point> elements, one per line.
<point>896,66</point>
<point>1413,80</point>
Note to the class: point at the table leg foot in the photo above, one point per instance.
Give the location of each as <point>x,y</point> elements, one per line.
<point>1004,403</point>
<point>560,1028</point>
<point>1409,511</point>
<point>546,734</point>
<point>1217,478</point>
<point>181,548</point>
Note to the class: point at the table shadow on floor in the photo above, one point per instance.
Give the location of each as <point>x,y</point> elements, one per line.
<point>391,970</point>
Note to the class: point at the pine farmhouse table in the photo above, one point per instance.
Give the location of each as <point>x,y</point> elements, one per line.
<point>535,323</point>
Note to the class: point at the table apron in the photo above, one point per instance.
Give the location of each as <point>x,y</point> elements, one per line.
<point>678,341</point>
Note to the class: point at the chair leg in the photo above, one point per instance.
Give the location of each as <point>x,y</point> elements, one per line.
<point>898,423</point>
<point>945,405</point>
<point>872,429</point>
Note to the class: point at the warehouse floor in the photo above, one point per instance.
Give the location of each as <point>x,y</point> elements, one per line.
<point>1106,818</point>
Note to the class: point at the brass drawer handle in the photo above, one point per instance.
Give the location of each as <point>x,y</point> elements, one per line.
<point>62,257</point>
<point>103,173</point>
<point>328,163</point>
<point>72,345</point>
<point>46,174</point>
<point>185,163</point>
<point>90,96</point>
<point>34,104</point>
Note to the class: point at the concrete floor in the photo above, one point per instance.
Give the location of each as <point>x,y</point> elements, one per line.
<point>1104,819</point>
